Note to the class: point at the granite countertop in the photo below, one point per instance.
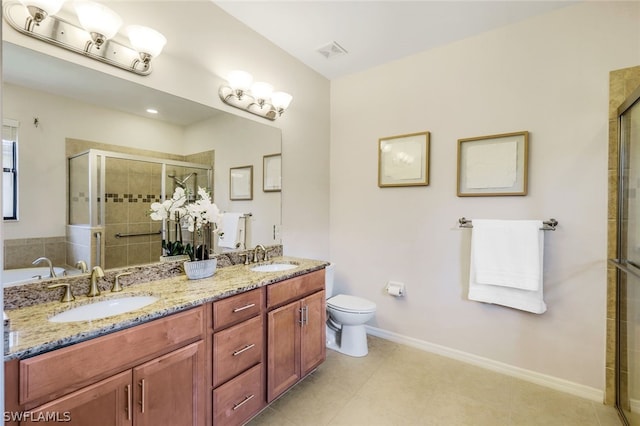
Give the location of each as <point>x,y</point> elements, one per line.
<point>31,333</point>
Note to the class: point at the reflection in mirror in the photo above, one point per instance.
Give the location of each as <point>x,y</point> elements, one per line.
<point>63,109</point>
<point>109,199</point>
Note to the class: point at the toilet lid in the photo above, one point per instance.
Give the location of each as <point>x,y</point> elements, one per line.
<point>348,303</point>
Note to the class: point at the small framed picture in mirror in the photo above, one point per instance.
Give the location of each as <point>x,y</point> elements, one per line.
<point>272,173</point>
<point>241,183</point>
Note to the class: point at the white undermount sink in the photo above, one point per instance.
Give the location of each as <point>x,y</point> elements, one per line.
<point>104,309</point>
<point>273,267</point>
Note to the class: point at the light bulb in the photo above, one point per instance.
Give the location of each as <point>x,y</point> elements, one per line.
<point>281,100</point>
<point>98,20</point>
<point>146,40</point>
<point>239,80</point>
<point>261,91</point>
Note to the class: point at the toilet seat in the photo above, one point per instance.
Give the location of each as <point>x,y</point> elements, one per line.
<point>351,304</point>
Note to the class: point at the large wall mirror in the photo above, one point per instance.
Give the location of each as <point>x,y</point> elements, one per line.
<point>58,106</point>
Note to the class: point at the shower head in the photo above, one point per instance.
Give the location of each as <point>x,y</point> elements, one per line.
<point>181,182</point>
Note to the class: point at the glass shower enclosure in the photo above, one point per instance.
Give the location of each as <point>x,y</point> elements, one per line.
<point>109,197</point>
<point>628,263</point>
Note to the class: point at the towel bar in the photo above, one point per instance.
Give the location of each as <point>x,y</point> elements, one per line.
<point>142,234</point>
<point>547,225</point>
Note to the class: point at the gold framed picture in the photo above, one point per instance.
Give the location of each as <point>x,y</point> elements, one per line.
<point>272,173</point>
<point>241,183</point>
<point>403,160</point>
<point>494,165</point>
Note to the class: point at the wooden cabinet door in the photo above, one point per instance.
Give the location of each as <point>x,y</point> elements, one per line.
<point>313,333</point>
<point>283,352</point>
<point>169,390</point>
<point>106,403</point>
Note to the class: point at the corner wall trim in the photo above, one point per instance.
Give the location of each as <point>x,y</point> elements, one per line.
<point>556,383</point>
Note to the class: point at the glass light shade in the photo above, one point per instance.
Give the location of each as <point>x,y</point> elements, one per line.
<point>97,18</point>
<point>281,100</point>
<point>146,40</point>
<point>261,90</point>
<point>50,6</point>
<point>239,80</point>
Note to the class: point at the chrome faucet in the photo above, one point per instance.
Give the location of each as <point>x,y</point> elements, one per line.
<point>82,265</point>
<point>52,273</point>
<point>255,252</point>
<point>96,273</point>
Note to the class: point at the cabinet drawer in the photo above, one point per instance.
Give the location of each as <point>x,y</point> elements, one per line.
<point>236,349</point>
<point>294,288</point>
<point>65,370</point>
<point>237,401</point>
<point>237,308</point>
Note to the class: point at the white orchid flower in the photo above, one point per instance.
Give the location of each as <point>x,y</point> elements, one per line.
<point>193,215</point>
<point>178,194</point>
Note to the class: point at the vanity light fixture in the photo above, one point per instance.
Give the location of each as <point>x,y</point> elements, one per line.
<point>257,98</point>
<point>92,36</point>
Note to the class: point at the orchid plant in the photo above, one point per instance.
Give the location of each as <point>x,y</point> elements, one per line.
<point>198,217</point>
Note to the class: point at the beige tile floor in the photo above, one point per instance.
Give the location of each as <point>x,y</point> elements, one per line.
<point>400,385</point>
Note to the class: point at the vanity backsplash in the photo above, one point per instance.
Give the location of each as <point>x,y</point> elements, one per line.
<point>34,293</point>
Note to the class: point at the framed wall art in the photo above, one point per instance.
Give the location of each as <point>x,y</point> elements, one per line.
<point>272,173</point>
<point>241,183</point>
<point>403,160</point>
<point>493,165</point>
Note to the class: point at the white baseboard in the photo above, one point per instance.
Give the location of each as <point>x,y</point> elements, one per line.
<point>556,383</point>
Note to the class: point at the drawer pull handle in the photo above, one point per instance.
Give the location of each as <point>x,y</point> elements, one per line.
<point>242,308</point>
<point>244,401</point>
<point>246,348</point>
<point>127,390</point>
<point>304,316</point>
<point>141,402</point>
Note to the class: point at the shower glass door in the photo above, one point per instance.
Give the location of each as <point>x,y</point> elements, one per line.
<point>109,198</point>
<point>628,263</point>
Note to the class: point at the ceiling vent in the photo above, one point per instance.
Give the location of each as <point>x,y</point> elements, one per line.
<point>331,50</point>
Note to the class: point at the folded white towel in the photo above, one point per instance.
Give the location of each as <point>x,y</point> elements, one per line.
<point>230,230</point>
<point>507,253</point>
<point>507,264</point>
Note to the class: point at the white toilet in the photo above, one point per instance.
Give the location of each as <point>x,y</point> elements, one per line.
<point>346,316</point>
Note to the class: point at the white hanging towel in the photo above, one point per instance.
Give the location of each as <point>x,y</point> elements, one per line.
<point>230,229</point>
<point>506,265</point>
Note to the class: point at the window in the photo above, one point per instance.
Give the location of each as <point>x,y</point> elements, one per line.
<point>10,169</point>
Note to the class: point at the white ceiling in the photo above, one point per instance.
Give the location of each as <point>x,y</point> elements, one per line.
<point>375,32</point>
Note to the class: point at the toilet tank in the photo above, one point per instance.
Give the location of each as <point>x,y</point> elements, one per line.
<point>328,279</point>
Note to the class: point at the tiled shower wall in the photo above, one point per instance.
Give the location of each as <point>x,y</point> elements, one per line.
<point>621,84</point>
<point>131,187</point>
<point>19,253</point>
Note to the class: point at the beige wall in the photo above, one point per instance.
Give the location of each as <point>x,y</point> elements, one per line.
<point>548,75</point>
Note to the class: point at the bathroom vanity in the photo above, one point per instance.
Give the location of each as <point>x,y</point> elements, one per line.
<point>211,352</point>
